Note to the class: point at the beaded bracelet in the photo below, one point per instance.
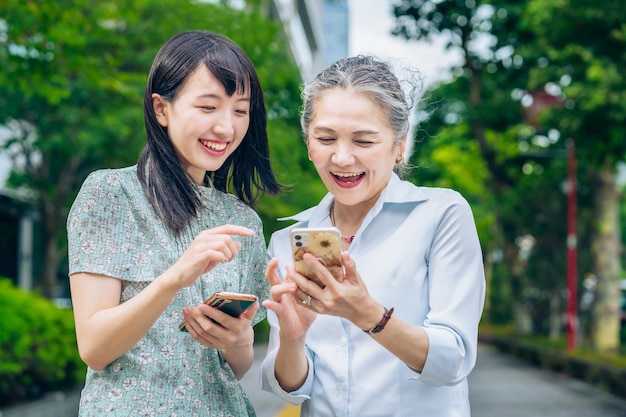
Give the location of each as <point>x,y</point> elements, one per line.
<point>382,323</point>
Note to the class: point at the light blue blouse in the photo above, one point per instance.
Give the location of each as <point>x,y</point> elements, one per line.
<point>113,231</point>
<point>418,251</point>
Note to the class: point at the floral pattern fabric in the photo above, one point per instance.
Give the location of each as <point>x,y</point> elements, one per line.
<point>113,231</point>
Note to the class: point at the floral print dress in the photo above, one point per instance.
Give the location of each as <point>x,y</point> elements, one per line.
<point>113,231</point>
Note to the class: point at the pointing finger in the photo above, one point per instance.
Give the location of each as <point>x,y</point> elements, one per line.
<point>232,229</point>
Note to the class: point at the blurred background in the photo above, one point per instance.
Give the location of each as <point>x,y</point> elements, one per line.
<point>522,110</point>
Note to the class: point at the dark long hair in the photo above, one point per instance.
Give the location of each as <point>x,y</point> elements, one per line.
<point>247,171</point>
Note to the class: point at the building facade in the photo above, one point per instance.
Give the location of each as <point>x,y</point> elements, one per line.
<point>336,24</point>
<point>317,31</point>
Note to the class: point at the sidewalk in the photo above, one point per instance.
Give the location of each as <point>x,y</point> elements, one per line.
<point>66,404</point>
<point>265,404</point>
<point>500,386</point>
<point>58,404</point>
<point>503,385</point>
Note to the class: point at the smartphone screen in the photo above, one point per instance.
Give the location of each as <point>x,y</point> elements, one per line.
<point>324,244</point>
<point>231,303</point>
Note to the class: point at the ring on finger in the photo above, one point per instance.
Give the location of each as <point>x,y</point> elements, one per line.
<point>307,302</point>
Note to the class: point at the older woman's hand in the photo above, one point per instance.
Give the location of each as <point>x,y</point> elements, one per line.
<point>349,299</point>
<point>293,316</point>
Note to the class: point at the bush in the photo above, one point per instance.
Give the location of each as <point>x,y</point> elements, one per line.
<point>262,332</point>
<point>38,351</point>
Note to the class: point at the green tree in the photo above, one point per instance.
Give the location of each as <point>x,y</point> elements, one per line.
<point>531,47</point>
<point>478,114</point>
<point>583,45</point>
<point>71,92</point>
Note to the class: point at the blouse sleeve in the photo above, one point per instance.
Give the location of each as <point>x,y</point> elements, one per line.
<point>100,229</point>
<point>457,292</point>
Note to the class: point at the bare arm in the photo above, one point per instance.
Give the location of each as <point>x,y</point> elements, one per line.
<point>239,358</point>
<point>291,365</point>
<point>106,329</point>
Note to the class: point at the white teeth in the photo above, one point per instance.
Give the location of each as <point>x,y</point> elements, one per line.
<point>216,146</point>
<point>346,174</point>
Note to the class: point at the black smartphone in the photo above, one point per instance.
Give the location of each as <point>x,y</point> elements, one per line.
<point>231,303</point>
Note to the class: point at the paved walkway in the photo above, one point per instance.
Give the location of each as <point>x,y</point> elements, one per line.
<point>500,386</point>
<point>52,405</point>
<point>505,386</point>
<point>265,404</point>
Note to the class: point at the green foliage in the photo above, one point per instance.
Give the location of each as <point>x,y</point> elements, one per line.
<point>71,90</point>
<point>587,70</point>
<point>427,19</point>
<point>303,188</point>
<point>623,232</point>
<point>580,45</point>
<point>262,332</point>
<point>570,48</point>
<point>443,160</point>
<point>38,351</point>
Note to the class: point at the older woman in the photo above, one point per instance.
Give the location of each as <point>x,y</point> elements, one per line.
<point>398,335</point>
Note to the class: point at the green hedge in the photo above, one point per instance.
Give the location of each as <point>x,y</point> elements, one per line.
<point>262,332</point>
<point>38,351</point>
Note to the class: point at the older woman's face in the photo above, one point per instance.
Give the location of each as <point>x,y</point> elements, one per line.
<point>351,144</point>
<point>204,124</point>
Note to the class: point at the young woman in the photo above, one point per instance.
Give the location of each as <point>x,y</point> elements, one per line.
<point>149,242</point>
<point>398,335</point>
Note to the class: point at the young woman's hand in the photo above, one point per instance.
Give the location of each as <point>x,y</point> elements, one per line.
<point>234,336</point>
<point>210,248</point>
<point>294,318</point>
<point>216,329</point>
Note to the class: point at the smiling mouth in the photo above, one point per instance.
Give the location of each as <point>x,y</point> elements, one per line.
<point>214,146</point>
<point>348,177</point>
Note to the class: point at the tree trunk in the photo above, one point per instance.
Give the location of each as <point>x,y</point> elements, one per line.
<point>50,281</point>
<point>522,316</point>
<point>606,257</point>
<point>556,322</point>
<point>53,212</point>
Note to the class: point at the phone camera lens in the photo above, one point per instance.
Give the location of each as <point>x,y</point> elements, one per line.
<point>298,244</point>
<point>298,237</point>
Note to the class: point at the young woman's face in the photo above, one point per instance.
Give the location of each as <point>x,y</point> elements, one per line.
<point>204,124</point>
<point>351,144</point>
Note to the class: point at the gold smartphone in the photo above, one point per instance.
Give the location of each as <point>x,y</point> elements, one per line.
<point>231,303</point>
<point>324,243</point>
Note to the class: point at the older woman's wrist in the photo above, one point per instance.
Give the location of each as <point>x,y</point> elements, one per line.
<point>370,317</point>
<point>378,327</point>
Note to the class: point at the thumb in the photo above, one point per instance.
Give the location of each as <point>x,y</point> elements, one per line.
<point>349,266</point>
<point>272,305</point>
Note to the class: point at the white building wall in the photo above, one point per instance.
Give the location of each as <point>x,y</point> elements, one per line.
<point>336,25</point>
<point>303,26</point>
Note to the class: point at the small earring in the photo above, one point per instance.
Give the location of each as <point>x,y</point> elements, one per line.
<point>399,159</point>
